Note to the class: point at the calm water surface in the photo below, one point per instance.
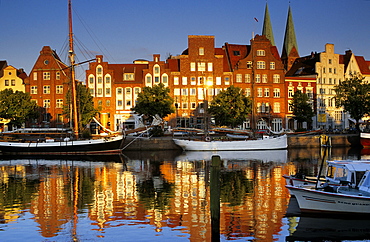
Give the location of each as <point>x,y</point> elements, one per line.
<point>165,196</point>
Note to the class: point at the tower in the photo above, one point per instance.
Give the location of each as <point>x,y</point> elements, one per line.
<point>290,47</point>
<point>267,27</point>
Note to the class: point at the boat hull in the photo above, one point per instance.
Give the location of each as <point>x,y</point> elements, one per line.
<point>316,201</point>
<point>104,145</point>
<point>263,144</point>
<point>365,140</point>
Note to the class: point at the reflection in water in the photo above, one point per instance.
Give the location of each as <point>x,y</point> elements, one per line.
<point>154,196</point>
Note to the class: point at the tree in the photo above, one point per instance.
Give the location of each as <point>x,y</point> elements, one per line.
<point>353,95</point>
<point>230,107</point>
<point>154,100</point>
<point>302,109</point>
<point>17,106</point>
<point>85,105</point>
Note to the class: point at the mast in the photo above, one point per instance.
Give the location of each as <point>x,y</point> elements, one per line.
<point>72,64</point>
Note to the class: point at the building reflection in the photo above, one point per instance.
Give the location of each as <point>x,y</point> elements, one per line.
<point>165,193</point>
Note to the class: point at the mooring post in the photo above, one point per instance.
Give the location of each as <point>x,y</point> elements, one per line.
<point>215,197</point>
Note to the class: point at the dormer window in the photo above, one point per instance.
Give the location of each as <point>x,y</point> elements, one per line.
<point>236,52</point>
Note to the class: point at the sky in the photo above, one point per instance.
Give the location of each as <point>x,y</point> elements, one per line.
<point>126,30</point>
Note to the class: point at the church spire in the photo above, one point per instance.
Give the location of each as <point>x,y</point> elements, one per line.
<point>290,47</point>
<point>267,27</point>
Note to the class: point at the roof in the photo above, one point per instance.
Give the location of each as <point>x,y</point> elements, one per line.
<point>304,66</point>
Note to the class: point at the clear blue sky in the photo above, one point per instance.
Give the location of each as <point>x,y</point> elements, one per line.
<point>125,30</point>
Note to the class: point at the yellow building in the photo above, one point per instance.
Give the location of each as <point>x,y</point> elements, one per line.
<point>12,78</point>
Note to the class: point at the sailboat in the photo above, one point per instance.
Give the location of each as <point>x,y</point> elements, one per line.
<point>107,144</point>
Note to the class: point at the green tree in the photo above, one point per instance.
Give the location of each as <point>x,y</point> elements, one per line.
<point>17,106</point>
<point>353,95</point>
<point>302,109</point>
<point>85,105</point>
<point>230,107</point>
<point>154,100</point>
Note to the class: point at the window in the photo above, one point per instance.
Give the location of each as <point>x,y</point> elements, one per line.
<point>227,80</point>
<point>267,92</point>
<point>12,82</point>
<point>156,69</point>
<point>276,78</point>
<point>107,79</point>
<point>156,79</point>
<point>128,77</point>
<point>249,64</point>
<point>137,90</point>
<point>192,66</point>
<point>99,70</point>
<point>128,90</point>
<point>119,91</point>
<point>176,91</point>
<point>247,78</point>
<point>210,66</point>
<point>33,89</point>
<point>238,77</point>
<point>46,103</point>
<point>148,79</point>
<point>247,92</point>
<point>184,80</point>
<point>272,65</point>
<point>184,91</point>
<point>57,75</point>
<point>107,91</point>
<point>91,80</point>
<point>176,80</point>
<point>290,93</point>
<point>276,107</point>
<point>59,103</point>
<point>201,66</point>
<point>218,80</point>
<point>165,79</point>
<point>236,52</point>
<point>59,89</point>
<point>277,92</point>
<point>193,91</point>
<point>193,80</point>
<point>184,105</point>
<point>258,78</point>
<point>259,92</point>
<point>6,82</point>
<point>193,105</point>
<point>264,78</point>
<point>46,75</point>
<point>100,103</point>
<point>260,52</point>
<point>119,103</point>
<point>47,89</point>
<point>100,91</point>
<point>261,65</point>
<point>201,50</point>
<point>329,61</point>
<point>35,76</point>
<point>100,80</point>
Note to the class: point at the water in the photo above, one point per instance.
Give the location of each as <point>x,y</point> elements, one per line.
<point>165,196</point>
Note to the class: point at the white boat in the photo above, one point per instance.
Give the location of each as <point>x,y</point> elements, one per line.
<point>342,200</point>
<point>338,173</point>
<point>266,143</point>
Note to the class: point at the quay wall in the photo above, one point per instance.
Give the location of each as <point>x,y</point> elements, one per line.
<point>294,141</point>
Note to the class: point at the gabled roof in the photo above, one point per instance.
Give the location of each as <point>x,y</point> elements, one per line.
<point>363,65</point>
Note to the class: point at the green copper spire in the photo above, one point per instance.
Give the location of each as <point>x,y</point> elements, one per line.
<point>290,40</point>
<point>267,27</point>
